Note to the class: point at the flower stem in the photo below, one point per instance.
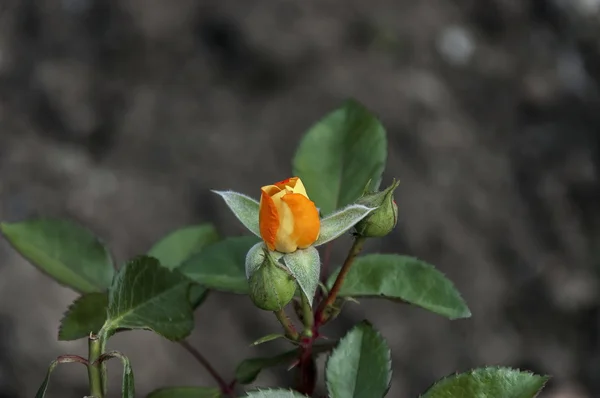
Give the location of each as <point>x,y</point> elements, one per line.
<point>307,316</point>
<point>95,348</point>
<point>225,388</point>
<point>356,248</point>
<point>288,327</point>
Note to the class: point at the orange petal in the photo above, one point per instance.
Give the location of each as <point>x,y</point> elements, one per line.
<point>299,187</point>
<point>306,219</point>
<point>271,189</point>
<point>289,182</point>
<point>268,220</point>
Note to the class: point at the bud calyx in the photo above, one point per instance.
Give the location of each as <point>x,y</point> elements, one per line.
<point>383,219</point>
<point>272,287</point>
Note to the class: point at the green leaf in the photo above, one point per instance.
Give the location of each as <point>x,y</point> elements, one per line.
<point>86,314</point>
<point>221,266</point>
<point>249,369</point>
<point>186,392</point>
<point>180,244</point>
<point>145,295</point>
<point>67,252</point>
<point>406,278</point>
<point>197,295</point>
<point>275,393</point>
<point>341,221</point>
<point>339,155</point>
<point>496,382</point>
<point>128,384</point>
<point>244,208</point>
<point>267,338</point>
<point>44,386</point>
<point>360,366</point>
<point>305,266</point>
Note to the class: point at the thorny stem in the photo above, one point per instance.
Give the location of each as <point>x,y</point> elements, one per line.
<point>226,389</point>
<point>95,347</point>
<point>288,326</point>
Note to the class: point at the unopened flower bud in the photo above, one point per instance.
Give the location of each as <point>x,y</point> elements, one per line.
<point>383,219</point>
<point>272,287</point>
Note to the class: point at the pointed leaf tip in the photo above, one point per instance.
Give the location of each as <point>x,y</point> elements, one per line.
<point>244,208</point>
<point>360,366</point>
<point>178,245</point>
<point>393,276</point>
<point>71,254</point>
<point>86,314</point>
<point>489,382</point>
<point>339,154</point>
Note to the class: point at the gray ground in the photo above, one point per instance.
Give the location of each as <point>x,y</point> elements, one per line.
<point>123,114</point>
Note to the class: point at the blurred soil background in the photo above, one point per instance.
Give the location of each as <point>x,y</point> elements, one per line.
<point>122,115</point>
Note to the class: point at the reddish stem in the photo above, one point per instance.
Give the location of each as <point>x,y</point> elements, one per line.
<point>337,285</point>
<point>72,358</point>
<point>226,389</point>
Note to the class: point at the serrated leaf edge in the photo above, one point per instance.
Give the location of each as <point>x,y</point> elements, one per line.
<point>368,324</point>
<point>544,378</point>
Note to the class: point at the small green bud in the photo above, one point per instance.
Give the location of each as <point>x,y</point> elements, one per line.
<point>383,219</point>
<point>272,287</point>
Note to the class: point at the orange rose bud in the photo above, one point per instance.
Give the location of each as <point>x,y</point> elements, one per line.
<point>288,219</point>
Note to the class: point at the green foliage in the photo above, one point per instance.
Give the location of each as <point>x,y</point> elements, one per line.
<point>406,278</point>
<point>267,338</point>
<point>360,366</point>
<point>335,224</point>
<point>185,392</point>
<point>86,314</point>
<point>305,266</point>
<point>244,208</point>
<point>221,266</point>
<point>179,245</point>
<point>145,295</point>
<point>70,254</point>
<point>127,383</point>
<point>339,155</point>
<point>197,295</point>
<point>340,161</point>
<point>496,382</point>
<point>41,393</point>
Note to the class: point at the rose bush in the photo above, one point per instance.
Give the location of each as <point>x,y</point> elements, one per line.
<point>341,160</point>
